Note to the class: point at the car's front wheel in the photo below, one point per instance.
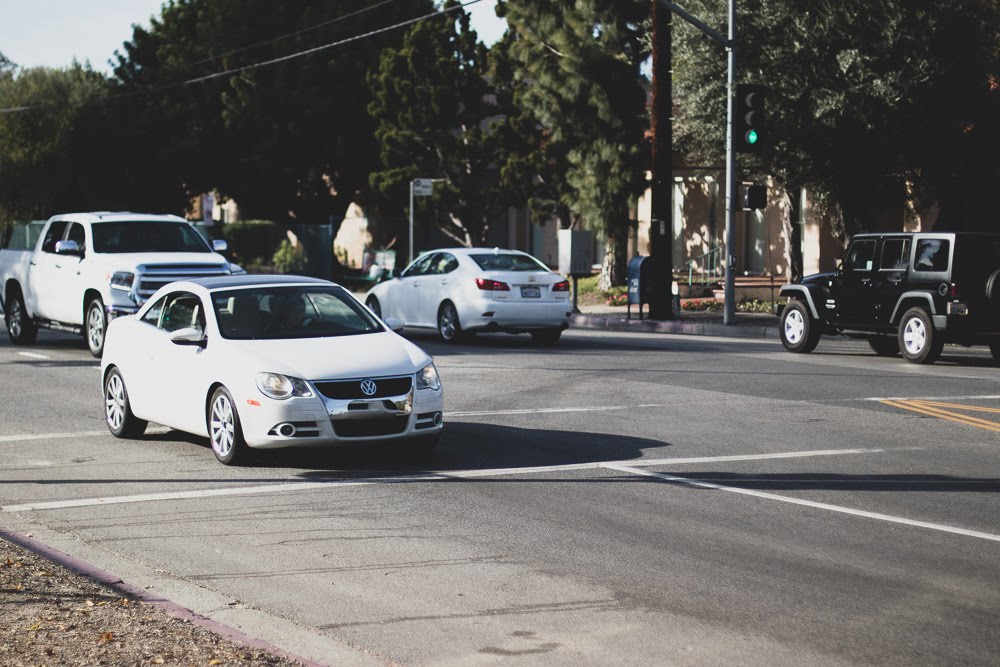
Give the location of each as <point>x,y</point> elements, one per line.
<point>225,430</point>
<point>799,332</point>
<point>95,327</point>
<point>20,327</point>
<point>919,342</point>
<point>884,346</point>
<point>118,410</point>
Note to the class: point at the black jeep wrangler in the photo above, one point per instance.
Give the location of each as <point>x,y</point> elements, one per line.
<point>906,293</point>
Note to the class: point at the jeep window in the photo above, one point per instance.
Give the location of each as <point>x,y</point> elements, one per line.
<point>931,255</point>
<point>895,254</point>
<point>861,256</point>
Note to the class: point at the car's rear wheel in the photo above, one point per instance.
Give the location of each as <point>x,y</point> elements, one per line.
<point>884,346</point>
<point>95,327</point>
<point>799,332</point>
<point>20,328</point>
<point>449,327</point>
<point>118,410</point>
<point>225,430</point>
<point>993,288</point>
<point>546,336</point>
<point>919,342</point>
<point>374,306</point>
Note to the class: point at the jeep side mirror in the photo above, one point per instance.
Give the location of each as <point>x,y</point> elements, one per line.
<point>840,266</point>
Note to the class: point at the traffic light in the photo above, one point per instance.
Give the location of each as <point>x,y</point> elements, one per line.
<point>749,118</point>
<point>754,197</point>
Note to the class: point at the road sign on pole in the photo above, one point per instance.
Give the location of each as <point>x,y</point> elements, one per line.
<point>419,187</point>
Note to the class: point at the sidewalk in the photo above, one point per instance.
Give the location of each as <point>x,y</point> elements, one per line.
<point>692,323</point>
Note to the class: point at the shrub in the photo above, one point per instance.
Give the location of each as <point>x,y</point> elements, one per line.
<point>289,259</point>
<point>253,241</point>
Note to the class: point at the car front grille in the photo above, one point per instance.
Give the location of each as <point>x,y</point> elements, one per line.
<point>153,277</point>
<point>351,389</point>
<point>363,428</point>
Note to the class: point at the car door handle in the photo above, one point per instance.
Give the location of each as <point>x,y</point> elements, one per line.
<point>33,263</point>
<point>444,282</point>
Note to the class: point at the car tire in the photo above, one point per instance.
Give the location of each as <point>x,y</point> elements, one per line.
<point>20,327</point>
<point>374,306</point>
<point>448,325</point>
<point>425,444</point>
<point>225,430</point>
<point>884,346</point>
<point>546,336</point>
<point>919,342</point>
<point>993,288</point>
<point>118,409</point>
<point>95,327</point>
<point>799,331</point>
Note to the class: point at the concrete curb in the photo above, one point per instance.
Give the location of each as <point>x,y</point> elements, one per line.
<point>617,323</point>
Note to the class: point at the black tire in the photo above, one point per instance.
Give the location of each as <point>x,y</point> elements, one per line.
<point>546,336</point>
<point>448,325</point>
<point>919,342</point>
<point>374,306</point>
<point>20,328</point>
<point>799,331</point>
<point>95,326</point>
<point>993,288</point>
<point>424,444</point>
<point>224,429</point>
<point>884,346</point>
<point>118,409</point>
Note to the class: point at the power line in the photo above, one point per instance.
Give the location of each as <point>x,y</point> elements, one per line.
<point>265,63</point>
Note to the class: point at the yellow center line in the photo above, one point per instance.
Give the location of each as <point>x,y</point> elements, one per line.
<point>958,406</point>
<point>919,408</point>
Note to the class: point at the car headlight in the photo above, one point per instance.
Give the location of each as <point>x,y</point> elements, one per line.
<point>121,280</point>
<point>427,377</point>
<point>280,387</point>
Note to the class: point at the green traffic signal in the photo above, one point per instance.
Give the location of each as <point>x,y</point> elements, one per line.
<point>752,137</point>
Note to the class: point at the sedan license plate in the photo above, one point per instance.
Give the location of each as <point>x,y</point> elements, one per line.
<point>531,293</point>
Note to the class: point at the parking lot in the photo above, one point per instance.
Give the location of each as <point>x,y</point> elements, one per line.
<point>617,498</point>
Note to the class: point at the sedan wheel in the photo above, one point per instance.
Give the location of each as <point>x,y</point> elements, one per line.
<point>117,410</point>
<point>448,325</point>
<point>224,428</point>
<point>95,329</point>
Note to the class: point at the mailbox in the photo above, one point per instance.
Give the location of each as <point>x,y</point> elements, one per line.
<point>576,252</point>
<point>639,276</point>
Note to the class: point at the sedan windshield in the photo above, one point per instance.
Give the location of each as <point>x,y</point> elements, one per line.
<point>147,236</point>
<point>312,311</point>
<point>508,262</point>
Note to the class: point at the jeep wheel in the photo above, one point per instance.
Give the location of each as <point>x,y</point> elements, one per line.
<point>919,342</point>
<point>799,332</point>
<point>884,346</point>
<point>993,288</point>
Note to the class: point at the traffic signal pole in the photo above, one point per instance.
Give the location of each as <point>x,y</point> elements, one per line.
<point>661,227</point>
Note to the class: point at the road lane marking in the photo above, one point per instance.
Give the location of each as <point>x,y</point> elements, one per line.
<point>34,355</point>
<point>978,397</point>
<point>25,437</point>
<point>959,406</point>
<point>807,503</point>
<point>427,477</point>
<point>927,409</point>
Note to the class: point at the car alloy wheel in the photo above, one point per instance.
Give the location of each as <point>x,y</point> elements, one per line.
<point>117,409</point>
<point>914,336</point>
<point>795,327</point>
<point>96,324</point>
<point>919,342</point>
<point>15,318</point>
<point>448,324</point>
<point>20,328</point>
<point>224,429</point>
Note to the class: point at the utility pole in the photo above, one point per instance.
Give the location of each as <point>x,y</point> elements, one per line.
<point>661,228</point>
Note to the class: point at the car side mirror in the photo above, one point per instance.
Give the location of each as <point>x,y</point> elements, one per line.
<point>394,324</point>
<point>68,248</point>
<point>840,266</point>
<point>396,273</point>
<point>219,245</point>
<point>188,336</point>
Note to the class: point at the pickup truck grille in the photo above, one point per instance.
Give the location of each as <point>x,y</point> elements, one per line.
<point>152,278</point>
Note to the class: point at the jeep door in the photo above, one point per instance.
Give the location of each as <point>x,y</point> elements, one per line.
<point>852,289</point>
<point>890,280</point>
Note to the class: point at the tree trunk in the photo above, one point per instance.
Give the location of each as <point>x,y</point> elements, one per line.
<point>792,226</point>
<point>615,261</point>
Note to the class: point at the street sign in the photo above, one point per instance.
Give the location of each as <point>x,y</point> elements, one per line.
<point>423,187</point>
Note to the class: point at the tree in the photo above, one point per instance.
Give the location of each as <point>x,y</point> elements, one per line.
<point>869,103</point>
<point>435,112</point>
<point>579,64</point>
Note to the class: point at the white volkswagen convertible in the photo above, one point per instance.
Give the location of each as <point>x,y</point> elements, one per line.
<point>267,362</point>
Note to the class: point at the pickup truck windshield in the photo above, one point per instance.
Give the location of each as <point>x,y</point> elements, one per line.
<point>147,236</point>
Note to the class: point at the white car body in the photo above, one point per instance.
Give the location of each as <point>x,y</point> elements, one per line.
<point>171,382</point>
<point>531,300</point>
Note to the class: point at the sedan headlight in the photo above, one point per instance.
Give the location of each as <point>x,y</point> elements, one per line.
<point>121,280</point>
<point>280,387</point>
<point>427,377</point>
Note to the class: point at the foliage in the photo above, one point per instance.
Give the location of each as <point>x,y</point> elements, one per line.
<point>868,103</point>
<point>289,258</point>
<point>434,110</point>
<point>253,240</point>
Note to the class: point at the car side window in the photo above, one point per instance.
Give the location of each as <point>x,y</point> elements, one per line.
<point>446,263</point>
<point>895,255</point>
<point>52,234</point>
<point>152,315</point>
<point>183,310</point>
<point>77,233</point>
<point>931,255</point>
<point>861,255</point>
<point>419,267</point>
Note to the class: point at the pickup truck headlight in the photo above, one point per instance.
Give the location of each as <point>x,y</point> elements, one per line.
<point>280,387</point>
<point>122,280</point>
<point>427,377</point>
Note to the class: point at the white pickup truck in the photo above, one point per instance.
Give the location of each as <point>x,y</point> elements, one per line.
<point>88,268</point>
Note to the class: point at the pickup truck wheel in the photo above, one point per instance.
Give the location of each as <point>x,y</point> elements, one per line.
<point>884,346</point>
<point>20,328</point>
<point>799,331</point>
<point>919,342</point>
<point>95,327</point>
<point>117,409</point>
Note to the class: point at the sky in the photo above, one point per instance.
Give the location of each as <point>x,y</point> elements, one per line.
<point>50,33</point>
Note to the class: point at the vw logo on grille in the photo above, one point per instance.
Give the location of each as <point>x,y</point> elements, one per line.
<point>368,388</point>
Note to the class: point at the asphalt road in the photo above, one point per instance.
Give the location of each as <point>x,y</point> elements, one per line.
<point>616,499</point>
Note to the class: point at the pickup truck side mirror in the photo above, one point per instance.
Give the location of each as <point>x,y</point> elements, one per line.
<point>219,245</point>
<point>188,336</point>
<point>68,248</point>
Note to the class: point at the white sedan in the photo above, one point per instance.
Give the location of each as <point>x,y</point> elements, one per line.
<point>267,362</point>
<point>460,291</point>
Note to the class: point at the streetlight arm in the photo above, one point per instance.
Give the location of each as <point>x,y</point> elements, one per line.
<point>698,23</point>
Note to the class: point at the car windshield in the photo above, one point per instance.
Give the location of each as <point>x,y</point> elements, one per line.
<point>508,262</point>
<point>147,236</point>
<point>311,311</point>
